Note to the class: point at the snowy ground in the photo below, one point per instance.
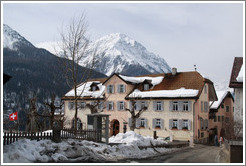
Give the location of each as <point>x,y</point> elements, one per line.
<point>69,151</point>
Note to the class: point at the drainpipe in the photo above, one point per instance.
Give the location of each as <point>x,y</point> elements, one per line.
<point>194,118</point>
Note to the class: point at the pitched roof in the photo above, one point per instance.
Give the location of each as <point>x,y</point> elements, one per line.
<point>186,81</point>
<point>238,61</point>
<point>221,96</point>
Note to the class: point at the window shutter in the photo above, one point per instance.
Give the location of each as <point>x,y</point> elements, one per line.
<point>189,124</point>
<point>201,123</point>
<point>189,105</point>
<point>118,105</point>
<point>201,106</point>
<point>204,123</point>
<point>170,123</point>
<point>130,105</point>
<point>107,103</point>
<point>154,105</point>
<point>162,106</point>
<point>138,105</point>
<point>153,123</point>
<point>145,104</point>
<point>112,105</point>
<point>112,88</point>
<point>129,122</point>
<point>138,122</point>
<point>162,123</point>
<point>124,88</point>
<point>107,88</point>
<point>206,106</point>
<point>118,88</point>
<point>145,123</point>
<point>180,124</point>
<point>180,105</point>
<point>170,105</point>
<point>124,103</point>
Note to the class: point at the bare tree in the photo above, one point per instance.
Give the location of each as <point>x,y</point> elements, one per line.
<point>135,109</point>
<point>74,46</point>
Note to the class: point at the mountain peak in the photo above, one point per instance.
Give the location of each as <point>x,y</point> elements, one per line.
<point>12,39</point>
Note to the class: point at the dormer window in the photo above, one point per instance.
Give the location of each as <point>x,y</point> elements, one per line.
<point>146,86</point>
<point>94,88</point>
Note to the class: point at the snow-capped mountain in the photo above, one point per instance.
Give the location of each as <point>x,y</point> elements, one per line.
<point>118,53</point>
<point>12,39</point>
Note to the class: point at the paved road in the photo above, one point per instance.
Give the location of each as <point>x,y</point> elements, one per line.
<point>198,154</point>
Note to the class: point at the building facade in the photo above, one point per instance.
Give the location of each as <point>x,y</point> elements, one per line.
<point>177,104</point>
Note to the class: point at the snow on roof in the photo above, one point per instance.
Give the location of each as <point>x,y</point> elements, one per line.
<point>182,92</point>
<point>221,95</point>
<point>154,80</point>
<point>84,90</point>
<point>240,74</point>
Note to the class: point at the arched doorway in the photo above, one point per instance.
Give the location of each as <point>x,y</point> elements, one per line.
<point>114,127</point>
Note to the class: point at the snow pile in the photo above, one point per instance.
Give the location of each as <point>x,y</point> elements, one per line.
<point>154,80</point>
<point>132,138</point>
<point>182,92</point>
<point>240,74</point>
<point>29,151</point>
<point>84,90</point>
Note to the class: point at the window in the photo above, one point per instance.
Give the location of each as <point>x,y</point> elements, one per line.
<point>175,123</point>
<point>227,109</point>
<point>201,106</point>
<point>146,86</point>
<point>142,122</point>
<point>215,118</point>
<point>175,106</point>
<point>218,118</point>
<point>94,88</point>
<point>121,105</point>
<point>79,124</point>
<point>205,106</point>
<point>222,118</point>
<point>205,89</point>
<point>142,104</point>
<point>227,119</point>
<point>157,123</point>
<point>135,106</point>
<point>202,135</point>
<point>100,106</point>
<point>121,88</point>
<point>71,105</point>
<point>110,89</point>
<point>82,105</point>
<point>185,124</point>
<point>222,105</point>
<point>158,106</point>
<point>185,106</point>
<point>110,105</point>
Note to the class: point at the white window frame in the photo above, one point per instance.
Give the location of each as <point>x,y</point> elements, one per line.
<point>110,106</point>
<point>175,106</point>
<point>121,105</point>
<point>158,106</point>
<point>185,106</point>
<point>157,123</point>
<point>175,123</point>
<point>142,122</point>
<point>146,86</point>
<point>110,89</point>
<point>185,124</point>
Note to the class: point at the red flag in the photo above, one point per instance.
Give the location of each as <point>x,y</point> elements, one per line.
<point>13,116</point>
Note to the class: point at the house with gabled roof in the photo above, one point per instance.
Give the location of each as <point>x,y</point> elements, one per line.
<point>177,104</point>
<point>221,116</point>
<point>236,82</point>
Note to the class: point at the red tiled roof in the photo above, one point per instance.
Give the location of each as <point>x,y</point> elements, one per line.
<point>238,61</point>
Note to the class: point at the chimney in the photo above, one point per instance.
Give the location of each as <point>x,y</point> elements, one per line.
<point>174,71</point>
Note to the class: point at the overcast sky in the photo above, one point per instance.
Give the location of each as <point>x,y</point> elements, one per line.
<point>209,35</point>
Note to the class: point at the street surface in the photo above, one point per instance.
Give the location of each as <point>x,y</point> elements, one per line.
<point>198,154</point>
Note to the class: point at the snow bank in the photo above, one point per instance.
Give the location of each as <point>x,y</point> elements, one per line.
<point>133,138</point>
<point>155,80</point>
<point>84,90</point>
<point>29,151</point>
<point>240,74</point>
<point>182,92</point>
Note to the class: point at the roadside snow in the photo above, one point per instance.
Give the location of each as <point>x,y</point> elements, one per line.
<point>182,92</point>
<point>29,151</point>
